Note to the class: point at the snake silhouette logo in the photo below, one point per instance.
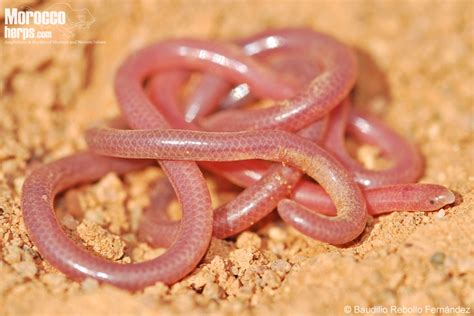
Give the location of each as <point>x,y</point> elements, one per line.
<point>76,19</point>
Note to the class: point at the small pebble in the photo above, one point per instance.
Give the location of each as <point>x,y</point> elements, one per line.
<point>277,234</point>
<point>89,285</point>
<point>281,267</point>
<point>437,259</point>
<point>26,269</point>
<point>271,279</point>
<point>441,213</point>
<point>248,239</point>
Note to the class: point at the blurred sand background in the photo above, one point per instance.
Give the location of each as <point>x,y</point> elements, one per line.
<point>417,69</point>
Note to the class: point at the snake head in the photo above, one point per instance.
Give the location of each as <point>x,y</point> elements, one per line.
<point>439,197</point>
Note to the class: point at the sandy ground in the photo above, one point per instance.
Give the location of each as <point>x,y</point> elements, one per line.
<point>417,72</point>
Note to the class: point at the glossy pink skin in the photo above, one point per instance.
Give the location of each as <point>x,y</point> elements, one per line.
<point>185,177</point>
<point>303,65</point>
<point>415,197</point>
<point>203,100</point>
<point>267,145</point>
<point>324,93</point>
<point>241,213</point>
<point>54,245</point>
<point>168,55</point>
<point>255,202</point>
<point>159,230</point>
<point>221,59</point>
<point>406,159</point>
<point>195,230</point>
<point>251,205</point>
<point>155,220</point>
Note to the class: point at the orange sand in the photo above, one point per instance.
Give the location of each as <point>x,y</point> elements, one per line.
<point>417,71</point>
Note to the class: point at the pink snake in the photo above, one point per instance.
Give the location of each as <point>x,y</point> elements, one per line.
<point>311,75</point>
